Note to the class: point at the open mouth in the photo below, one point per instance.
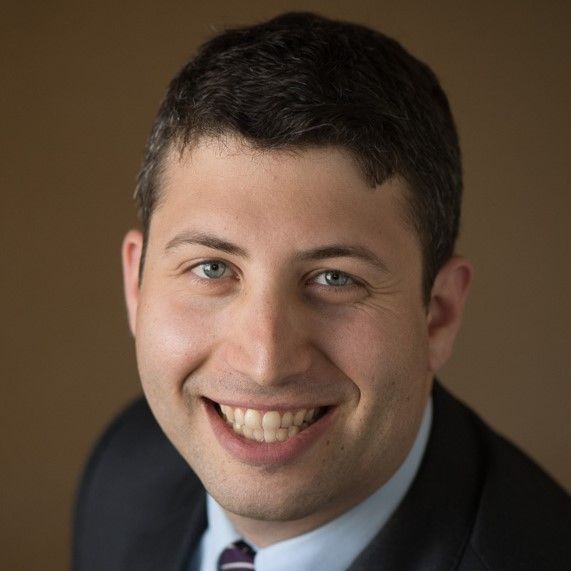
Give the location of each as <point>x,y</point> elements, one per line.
<point>271,425</point>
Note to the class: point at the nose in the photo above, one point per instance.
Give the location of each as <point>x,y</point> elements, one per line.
<point>269,339</point>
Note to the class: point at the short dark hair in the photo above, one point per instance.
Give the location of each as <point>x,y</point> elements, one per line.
<point>302,80</point>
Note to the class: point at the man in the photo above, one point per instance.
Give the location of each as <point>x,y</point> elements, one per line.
<point>292,294</point>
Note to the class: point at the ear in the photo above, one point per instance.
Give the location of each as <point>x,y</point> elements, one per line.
<point>131,252</point>
<point>446,307</point>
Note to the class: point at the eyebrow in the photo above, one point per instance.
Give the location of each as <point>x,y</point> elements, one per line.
<point>322,253</point>
<point>345,251</point>
<point>208,240</point>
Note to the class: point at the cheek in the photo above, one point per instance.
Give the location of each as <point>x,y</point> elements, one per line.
<point>380,351</point>
<point>173,338</point>
<point>385,358</point>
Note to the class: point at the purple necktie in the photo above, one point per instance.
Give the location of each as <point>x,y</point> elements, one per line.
<point>238,556</point>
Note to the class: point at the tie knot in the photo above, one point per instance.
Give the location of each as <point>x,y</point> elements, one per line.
<point>238,556</point>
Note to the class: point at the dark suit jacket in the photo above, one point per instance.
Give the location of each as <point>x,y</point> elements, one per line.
<point>477,503</point>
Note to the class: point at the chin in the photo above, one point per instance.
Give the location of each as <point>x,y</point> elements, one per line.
<point>274,503</point>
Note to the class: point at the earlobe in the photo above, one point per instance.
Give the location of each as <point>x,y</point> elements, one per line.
<point>446,307</point>
<point>131,252</point>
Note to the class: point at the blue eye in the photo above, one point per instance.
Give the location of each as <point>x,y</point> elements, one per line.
<point>334,278</point>
<point>211,269</point>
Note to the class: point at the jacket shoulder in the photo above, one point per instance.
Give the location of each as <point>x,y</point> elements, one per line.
<point>524,517</point>
<point>133,479</point>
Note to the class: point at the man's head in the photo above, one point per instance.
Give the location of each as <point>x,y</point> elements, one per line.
<point>300,200</point>
<point>301,80</point>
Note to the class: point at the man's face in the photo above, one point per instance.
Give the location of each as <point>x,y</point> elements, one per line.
<point>276,283</point>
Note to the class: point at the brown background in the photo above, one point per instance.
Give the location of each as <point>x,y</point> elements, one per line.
<point>80,84</point>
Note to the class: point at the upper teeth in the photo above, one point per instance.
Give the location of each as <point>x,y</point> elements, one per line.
<point>270,426</point>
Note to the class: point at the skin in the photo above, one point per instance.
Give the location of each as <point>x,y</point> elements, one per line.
<point>274,327</point>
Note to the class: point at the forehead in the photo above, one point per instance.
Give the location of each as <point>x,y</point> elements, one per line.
<point>314,193</point>
<point>231,160</point>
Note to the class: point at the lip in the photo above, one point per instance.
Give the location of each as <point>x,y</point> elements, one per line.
<point>261,453</point>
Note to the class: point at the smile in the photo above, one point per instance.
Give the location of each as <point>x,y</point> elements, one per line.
<point>269,426</point>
